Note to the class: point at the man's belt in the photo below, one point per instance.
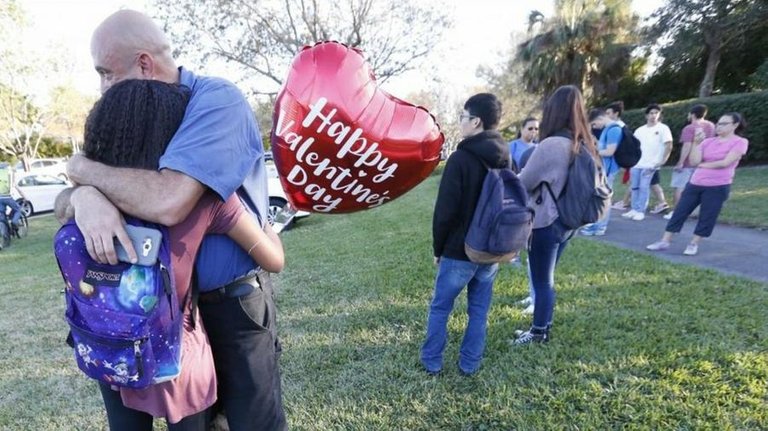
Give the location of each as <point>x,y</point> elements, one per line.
<point>240,287</point>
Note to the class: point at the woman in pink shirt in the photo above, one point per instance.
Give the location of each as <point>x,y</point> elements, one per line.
<point>130,126</point>
<point>715,160</point>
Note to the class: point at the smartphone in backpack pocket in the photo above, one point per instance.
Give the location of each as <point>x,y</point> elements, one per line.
<point>146,241</point>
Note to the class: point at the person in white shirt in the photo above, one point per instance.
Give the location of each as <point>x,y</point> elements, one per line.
<point>656,145</point>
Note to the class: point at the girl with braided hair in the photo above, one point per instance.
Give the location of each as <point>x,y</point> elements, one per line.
<point>130,127</point>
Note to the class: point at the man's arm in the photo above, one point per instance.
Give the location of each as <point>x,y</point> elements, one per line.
<point>608,151</point>
<point>685,151</point>
<point>164,197</point>
<point>613,137</point>
<point>667,152</point>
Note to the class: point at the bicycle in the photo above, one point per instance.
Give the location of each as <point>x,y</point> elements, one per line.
<point>10,230</point>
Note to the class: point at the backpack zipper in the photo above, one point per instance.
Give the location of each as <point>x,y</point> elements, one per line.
<point>167,288</point>
<point>137,356</point>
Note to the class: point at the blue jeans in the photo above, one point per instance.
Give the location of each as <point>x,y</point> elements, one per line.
<point>602,224</point>
<point>545,252</point>
<point>640,179</point>
<point>452,276</point>
<point>532,292</point>
<point>16,213</point>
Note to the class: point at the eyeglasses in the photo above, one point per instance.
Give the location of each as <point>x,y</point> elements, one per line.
<point>467,116</point>
<point>724,124</point>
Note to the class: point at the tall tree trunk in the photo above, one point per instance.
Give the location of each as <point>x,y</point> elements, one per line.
<point>714,42</point>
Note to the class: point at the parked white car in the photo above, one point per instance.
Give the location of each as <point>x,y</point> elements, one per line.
<point>278,202</point>
<point>37,192</point>
<point>55,167</point>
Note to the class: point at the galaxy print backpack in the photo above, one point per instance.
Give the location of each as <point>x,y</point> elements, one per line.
<point>125,320</point>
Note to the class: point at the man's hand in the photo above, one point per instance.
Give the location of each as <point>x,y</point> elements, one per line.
<point>437,260</point>
<point>100,222</point>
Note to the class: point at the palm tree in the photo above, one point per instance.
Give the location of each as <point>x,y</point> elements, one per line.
<point>587,43</point>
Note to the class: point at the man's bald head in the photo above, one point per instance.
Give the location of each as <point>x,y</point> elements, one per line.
<point>129,45</point>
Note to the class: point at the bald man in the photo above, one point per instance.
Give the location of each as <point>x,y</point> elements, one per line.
<point>217,147</point>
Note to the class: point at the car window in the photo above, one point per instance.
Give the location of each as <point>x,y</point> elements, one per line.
<point>27,181</point>
<point>41,180</point>
<point>47,180</point>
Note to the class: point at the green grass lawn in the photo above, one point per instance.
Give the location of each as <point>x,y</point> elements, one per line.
<point>748,202</point>
<point>638,343</point>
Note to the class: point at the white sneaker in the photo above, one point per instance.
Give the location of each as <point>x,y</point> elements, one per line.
<point>691,250</point>
<point>528,310</point>
<point>638,216</point>
<point>618,205</point>
<point>629,214</point>
<point>658,246</point>
<point>526,301</point>
<point>668,216</point>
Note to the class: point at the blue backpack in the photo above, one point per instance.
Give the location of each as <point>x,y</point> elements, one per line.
<point>586,196</point>
<point>125,320</point>
<point>502,223</point>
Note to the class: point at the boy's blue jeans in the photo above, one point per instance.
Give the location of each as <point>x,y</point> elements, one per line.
<point>602,224</point>
<point>452,276</point>
<point>641,187</point>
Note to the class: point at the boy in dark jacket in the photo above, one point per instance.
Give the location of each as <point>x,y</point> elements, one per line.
<point>459,192</point>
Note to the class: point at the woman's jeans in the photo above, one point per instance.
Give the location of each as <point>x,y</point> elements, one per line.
<point>641,187</point>
<point>543,256</point>
<point>711,200</point>
<point>452,276</point>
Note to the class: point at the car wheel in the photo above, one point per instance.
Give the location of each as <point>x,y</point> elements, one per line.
<point>63,176</point>
<point>26,207</point>
<point>275,206</point>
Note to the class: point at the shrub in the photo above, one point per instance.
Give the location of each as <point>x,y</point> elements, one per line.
<point>754,107</point>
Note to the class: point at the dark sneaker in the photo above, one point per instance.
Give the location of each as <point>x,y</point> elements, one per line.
<point>533,336</point>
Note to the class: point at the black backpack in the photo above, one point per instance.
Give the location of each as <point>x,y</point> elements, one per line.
<point>586,196</point>
<point>628,151</point>
<point>502,223</point>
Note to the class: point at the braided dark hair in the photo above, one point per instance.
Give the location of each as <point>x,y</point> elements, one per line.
<point>133,122</point>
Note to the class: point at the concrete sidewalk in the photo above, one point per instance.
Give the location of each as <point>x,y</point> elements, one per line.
<point>731,250</point>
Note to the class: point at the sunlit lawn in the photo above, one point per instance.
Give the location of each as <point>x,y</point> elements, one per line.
<point>638,343</point>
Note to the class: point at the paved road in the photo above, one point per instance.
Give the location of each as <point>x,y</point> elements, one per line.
<point>730,249</point>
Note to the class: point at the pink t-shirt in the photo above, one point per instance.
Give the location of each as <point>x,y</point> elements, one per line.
<point>712,150</point>
<point>194,390</point>
<point>689,132</point>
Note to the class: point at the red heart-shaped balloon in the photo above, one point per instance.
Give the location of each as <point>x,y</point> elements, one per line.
<point>340,143</point>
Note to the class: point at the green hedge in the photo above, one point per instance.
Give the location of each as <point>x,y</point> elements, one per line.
<point>754,107</point>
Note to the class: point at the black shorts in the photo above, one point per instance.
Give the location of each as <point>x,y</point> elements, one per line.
<point>655,178</point>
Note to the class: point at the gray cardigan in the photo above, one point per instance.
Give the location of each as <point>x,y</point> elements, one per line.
<point>548,163</point>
